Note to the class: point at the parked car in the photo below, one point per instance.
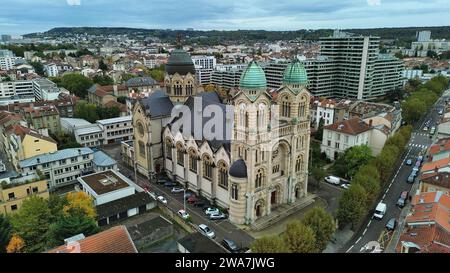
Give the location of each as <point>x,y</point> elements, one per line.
<point>409,162</point>
<point>391,224</point>
<point>425,128</point>
<point>170,184</point>
<point>177,190</point>
<point>380,210</point>
<point>418,164</point>
<point>187,195</point>
<point>433,130</point>
<point>205,230</point>
<point>345,186</point>
<point>192,199</point>
<point>199,203</point>
<point>411,178</point>
<point>441,112</point>
<point>333,180</point>
<point>230,245</point>
<point>183,214</point>
<point>162,199</point>
<point>401,202</point>
<point>217,216</point>
<point>211,210</point>
<point>162,181</point>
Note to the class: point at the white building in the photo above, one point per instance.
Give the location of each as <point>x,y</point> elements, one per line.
<point>340,136</point>
<point>44,89</point>
<point>116,130</point>
<point>21,89</point>
<point>7,59</point>
<point>89,135</point>
<point>325,111</point>
<point>206,62</point>
<point>51,70</point>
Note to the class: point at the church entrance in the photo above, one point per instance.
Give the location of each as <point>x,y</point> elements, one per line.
<point>258,211</point>
<point>158,168</point>
<point>273,198</point>
<point>259,208</point>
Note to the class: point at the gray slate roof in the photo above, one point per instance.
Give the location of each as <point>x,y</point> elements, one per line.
<point>158,104</point>
<point>140,81</point>
<point>50,157</point>
<point>102,159</point>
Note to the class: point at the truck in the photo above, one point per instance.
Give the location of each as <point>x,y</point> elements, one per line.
<point>380,210</point>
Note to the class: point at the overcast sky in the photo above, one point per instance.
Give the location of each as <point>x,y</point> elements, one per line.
<point>25,16</point>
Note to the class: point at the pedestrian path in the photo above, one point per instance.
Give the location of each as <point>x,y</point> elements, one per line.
<point>421,134</point>
<point>418,145</point>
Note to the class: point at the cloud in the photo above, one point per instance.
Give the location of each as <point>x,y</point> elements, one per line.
<point>222,15</point>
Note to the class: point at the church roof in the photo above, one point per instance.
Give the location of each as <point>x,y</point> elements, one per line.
<point>238,169</point>
<point>158,104</point>
<point>253,77</point>
<point>180,62</point>
<point>295,73</point>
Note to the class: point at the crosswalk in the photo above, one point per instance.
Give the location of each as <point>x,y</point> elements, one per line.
<point>418,146</point>
<point>422,134</point>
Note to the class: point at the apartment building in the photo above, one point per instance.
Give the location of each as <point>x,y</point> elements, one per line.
<point>20,89</point>
<point>116,130</point>
<point>7,59</point>
<point>51,70</point>
<point>41,117</point>
<point>227,76</point>
<point>45,89</point>
<point>14,190</point>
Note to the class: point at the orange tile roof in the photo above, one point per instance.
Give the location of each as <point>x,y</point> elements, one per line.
<point>114,240</point>
<point>352,126</point>
<point>441,145</point>
<point>431,206</point>
<point>428,238</point>
<point>22,131</point>
<point>429,166</point>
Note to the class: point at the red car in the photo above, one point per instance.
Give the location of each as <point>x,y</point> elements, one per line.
<point>192,199</point>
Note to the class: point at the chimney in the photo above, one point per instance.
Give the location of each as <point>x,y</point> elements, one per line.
<point>79,151</point>
<point>441,147</point>
<point>370,122</point>
<point>38,160</point>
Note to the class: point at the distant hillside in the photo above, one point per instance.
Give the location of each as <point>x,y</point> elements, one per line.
<point>405,34</point>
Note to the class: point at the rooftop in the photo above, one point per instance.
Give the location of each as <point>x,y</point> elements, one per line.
<point>75,122</point>
<point>197,243</point>
<point>102,159</point>
<point>123,204</point>
<point>51,157</point>
<point>431,166</point>
<point>352,126</point>
<point>105,182</point>
<point>86,130</point>
<point>439,179</point>
<point>114,240</point>
<point>114,120</point>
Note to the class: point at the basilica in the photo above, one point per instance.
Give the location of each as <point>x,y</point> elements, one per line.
<point>259,161</point>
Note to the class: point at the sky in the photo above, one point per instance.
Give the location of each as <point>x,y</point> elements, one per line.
<point>25,16</point>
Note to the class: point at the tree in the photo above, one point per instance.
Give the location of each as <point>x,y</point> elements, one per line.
<point>5,233</point>
<point>269,244</point>
<point>38,68</point>
<point>127,76</point>
<point>399,55</point>
<point>16,244</point>
<point>413,109</point>
<point>395,94</point>
<point>319,134</point>
<point>74,222</point>
<point>103,80</point>
<point>318,173</point>
<point>108,112</point>
<point>370,184</point>
<point>86,111</point>
<point>210,88</point>
<point>424,68</point>
<point>102,65</point>
<point>31,223</point>
<point>323,225</point>
<point>76,84</point>
<point>352,206</point>
<point>385,161</point>
<point>56,204</point>
<point>80,200</point>
<point>355,157</point>
<point>157,74</point>
<point>299,238</point>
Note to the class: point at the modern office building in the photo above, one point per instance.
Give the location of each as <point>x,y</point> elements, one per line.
<point>22,89</point>
<point>227,76</point>
<point>45,89</point>
<point>7,59</point>
<point>116,130</point>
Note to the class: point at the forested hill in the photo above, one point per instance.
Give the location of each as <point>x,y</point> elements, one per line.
<point>404,33</point>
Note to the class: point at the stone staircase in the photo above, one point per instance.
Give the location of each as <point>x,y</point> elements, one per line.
<point>282,211</point>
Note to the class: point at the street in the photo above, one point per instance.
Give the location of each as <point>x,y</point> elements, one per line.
<point>420,140</point>
<point>222,228</point>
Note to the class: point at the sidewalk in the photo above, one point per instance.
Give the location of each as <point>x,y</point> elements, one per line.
<point>339,239</point>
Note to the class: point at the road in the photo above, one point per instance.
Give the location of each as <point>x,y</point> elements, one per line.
<point>420,141</point>
<point>222,228</point>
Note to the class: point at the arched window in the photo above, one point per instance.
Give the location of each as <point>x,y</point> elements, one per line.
<point>141,148</point>
<point>193,159</point>
<point>242,112</point>
<point>285,107</point>
<point>207,167</point>
<point>223,175</point>
<point>302,109</point>
<point>168,89</point>
<point>180,154</point>
<point>299,164</point>
<point>178,89</point>
<point>234,192</point>
<point>261,116</point>
<point>189,89</point>
<point>168,149</point>
<point>259,180</point>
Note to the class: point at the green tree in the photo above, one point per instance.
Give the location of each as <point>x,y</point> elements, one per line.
<point>318,173</point>
<point>103,80</point>
<point>74,222</point>
<point>319,134</point>
<point>299,238</point>
<point>323,225</point>
<point>122,99</point>
<point>56,204</point>
<point>108,112</point>
<point>413,109</point>
<point>5,233</point>
<point>370,184</point>
<point>399,55</point>
<point>385,161</point>
<point>38,68</point>
<point>352,206</point>
<point>31,223</point>
<point>269,244</point>
<point>348,163</point>
<point>86,111</point>
<point>127,76</point>
<point>157,74</point>
<point>77,84</point>
<point>102,65</point>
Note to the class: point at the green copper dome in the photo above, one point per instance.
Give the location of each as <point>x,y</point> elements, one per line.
<point>295,73</point>
<point>253,77</point>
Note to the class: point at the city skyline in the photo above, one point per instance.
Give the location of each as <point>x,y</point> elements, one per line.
<point>231,15</point>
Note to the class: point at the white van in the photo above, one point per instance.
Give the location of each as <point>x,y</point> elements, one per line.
<point>380,210</point>
<point>333,180</point>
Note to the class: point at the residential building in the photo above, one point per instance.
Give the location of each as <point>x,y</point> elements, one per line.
<point>439,150</point>
<point>21,143</point>
<point>21,89</point>
<point>100,95</point>
<point>89,135</point>
<point>45,89</point>
<point>65,105</point>
<point>14,190</point>
<point>115,196</point>
<point>427,227</point>
<point>204,67</point>
<point>41,117</point>
<point>113,240</point>
<point>51,70</point>
<point>227,76</point>
<point>61,168</point>
<point>443,130</point>
<point>141,85</point>
<point>340,136</point>
<point>7,59</point>
<point>436,166</point>
<point>116,130</point>
<point>434,182</point>
<point>324,110</point>
<point>424,43</point>
<point>103,162</point>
